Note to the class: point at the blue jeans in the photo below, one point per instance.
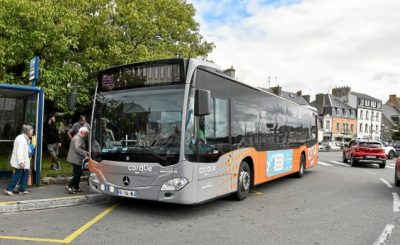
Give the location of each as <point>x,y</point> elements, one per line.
<point>21,176</point>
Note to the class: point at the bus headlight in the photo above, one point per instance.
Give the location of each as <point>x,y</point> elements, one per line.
<point>174,184</point>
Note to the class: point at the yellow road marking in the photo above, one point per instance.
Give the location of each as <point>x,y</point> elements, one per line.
<point>70,237</point>
<point>32,239</point>
<point>255,192</point>
<point>8,203</point>
<point>86,226</point>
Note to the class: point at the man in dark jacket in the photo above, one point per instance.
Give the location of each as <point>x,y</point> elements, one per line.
<point>76,154</point>
<point>53,141</point>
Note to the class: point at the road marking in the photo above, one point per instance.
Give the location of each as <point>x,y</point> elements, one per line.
<point>340,163</point>
<point>255,192</point>
<point>396,202</point>
<point>386,183</point>
<point>325,164</point>
<point>86,226</point>
<point>369,172</point>
<point>385,235</point>
<point>390,167</point>
<point>70,237</point>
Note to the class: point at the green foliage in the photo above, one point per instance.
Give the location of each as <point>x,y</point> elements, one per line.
<point>76,38</point>
<point>396,134</point>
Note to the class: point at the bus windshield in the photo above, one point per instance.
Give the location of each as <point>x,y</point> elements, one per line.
<point>138,125</point>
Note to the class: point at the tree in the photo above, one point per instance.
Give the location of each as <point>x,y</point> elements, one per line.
<point>76,38</point>
<point>396,133</point>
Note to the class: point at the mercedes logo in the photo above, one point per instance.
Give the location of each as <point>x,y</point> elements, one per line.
<point>126,181</point>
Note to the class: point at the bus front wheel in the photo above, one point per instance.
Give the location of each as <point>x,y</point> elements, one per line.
<point>243,181</point>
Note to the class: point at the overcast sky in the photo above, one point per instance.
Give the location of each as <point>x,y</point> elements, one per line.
<point>309,45</point>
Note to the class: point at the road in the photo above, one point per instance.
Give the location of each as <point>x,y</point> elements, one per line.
<point>332,204</point>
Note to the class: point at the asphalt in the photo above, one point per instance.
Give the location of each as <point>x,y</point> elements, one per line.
<point>47,196</point>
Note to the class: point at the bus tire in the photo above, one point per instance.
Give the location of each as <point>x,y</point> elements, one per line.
<point>243,181</point>
<point>300,174</point>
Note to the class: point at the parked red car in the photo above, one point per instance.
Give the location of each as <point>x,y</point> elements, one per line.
<point>397,172</point>
<point>363,151</point>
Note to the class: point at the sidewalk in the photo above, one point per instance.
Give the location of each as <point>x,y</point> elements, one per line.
<point>47,196</point>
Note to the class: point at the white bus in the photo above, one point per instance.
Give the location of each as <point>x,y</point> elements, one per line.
<point>182,131</point>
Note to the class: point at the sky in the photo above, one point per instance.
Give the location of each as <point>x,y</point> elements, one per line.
<point>308,45</point>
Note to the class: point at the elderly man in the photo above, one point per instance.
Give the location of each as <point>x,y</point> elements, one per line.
<point>75,128</point>
<point>20,161</point>
<point>76,154</point>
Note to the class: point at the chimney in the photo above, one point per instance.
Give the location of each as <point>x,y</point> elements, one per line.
<point>299,93</point>
<point>230,72</point>
<point>277,90</point>
<point>392,99</point>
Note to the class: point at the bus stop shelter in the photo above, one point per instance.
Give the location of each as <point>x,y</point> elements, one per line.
<point>20,105</point>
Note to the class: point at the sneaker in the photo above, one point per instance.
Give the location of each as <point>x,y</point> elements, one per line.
<point>69,190</point>
<point>23,192</point>
<point>8,193</point>
<point>53,168</point>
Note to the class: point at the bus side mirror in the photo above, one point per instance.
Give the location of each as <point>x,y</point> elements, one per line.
<point>202,102</point>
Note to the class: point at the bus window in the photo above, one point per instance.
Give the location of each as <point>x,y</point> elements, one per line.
<point>244,121</point>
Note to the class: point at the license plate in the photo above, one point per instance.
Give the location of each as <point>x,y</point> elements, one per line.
<point>370,156</point>
<point>126,193</point>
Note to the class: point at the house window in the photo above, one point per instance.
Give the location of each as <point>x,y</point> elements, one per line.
<point>338,111</point>
<point>366,128</point>
<point>366,115</point>
<point>372,116</point>
<point>361,127</point>
<point>351,128</point>
<point>327,125</point>
<point>376,129</point>
<point>344,112</point>
<point>361,114</point>
<point>361,101</point>
<point>377,117</point>
<point>337,127</point>
<point>366,102</point>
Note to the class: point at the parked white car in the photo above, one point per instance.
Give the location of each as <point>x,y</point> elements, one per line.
<point>390,151</point>
<point>332,145</point>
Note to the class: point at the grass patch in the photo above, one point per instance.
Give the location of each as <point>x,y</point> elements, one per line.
<point>66,167</point>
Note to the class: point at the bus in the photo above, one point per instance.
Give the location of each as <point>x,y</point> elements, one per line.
<point>182,131</point>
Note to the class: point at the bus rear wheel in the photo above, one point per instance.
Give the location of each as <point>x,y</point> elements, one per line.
<point>300,174</point>
<point>243,181</point>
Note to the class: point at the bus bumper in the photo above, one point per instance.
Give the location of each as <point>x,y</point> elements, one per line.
<point>187,195</point>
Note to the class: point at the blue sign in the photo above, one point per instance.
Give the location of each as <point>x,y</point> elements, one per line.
<point>34,68</point>
<point>279,162</point>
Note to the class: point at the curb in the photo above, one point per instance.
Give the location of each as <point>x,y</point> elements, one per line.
<point>59,180</point>
<point>40,204</point>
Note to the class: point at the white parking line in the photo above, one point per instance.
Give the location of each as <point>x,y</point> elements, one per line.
<point>325,164</point>
<point>340,163</point>
<point>386,183</point>
<point>385,235</point>
<point>390,167</point>
<point>396,202</point>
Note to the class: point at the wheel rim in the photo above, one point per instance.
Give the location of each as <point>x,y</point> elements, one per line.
<point>302,165</point>
<point>390,155</point>
<point>244,180</point>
